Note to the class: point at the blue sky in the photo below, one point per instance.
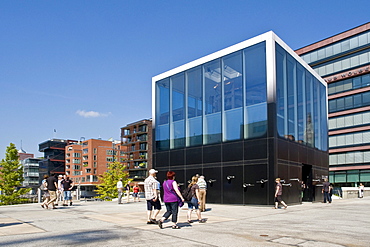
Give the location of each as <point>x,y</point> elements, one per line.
<point>84,68</point>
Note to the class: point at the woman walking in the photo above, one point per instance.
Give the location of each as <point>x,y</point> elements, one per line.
<point>45,192</point>
<point>171,198</point>
<point>195,200</point>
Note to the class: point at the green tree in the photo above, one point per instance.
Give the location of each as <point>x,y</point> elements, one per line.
<point>107,189</point>
<point>11,178</point>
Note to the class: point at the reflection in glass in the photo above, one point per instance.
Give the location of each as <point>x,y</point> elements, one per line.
<point>291,65</point>
<point>233,97</point>
<point>213,102</point>
<point>195,107</point>
<point>178,111</point>
<point>281,90</point>
<point>301,110</point>
<point>163,117</point>
<point>256,92</point>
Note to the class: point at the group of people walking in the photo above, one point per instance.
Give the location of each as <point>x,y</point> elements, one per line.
<point>55,190</point>
<point>127,188</point>
<point>173,198</point>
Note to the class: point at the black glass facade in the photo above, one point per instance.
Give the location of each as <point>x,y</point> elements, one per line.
<point>242,117</point>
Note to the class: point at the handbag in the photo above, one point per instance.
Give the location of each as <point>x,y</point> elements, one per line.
<point>179,201</point>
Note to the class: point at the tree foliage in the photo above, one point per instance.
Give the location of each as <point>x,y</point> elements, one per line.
<point>11,178</point>
<point>107,189</point>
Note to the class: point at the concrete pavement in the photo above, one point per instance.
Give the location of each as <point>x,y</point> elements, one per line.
<point>341,223</point>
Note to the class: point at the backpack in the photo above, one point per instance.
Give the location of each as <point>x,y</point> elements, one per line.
<point>187,194</point>
<point>43,187</point>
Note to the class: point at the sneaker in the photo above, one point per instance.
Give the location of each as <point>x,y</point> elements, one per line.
<point>190,221</point>
<point>154,221</point>
<point>160,224</point>
<point>202,221</point>
<point>70,204</point>
<point>150,222</point>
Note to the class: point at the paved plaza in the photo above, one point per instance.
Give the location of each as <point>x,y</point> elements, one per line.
<point>342,223</point>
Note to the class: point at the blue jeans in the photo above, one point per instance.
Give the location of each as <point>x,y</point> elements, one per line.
<point>193,203</point>
<point>172,208</point>
<point>327,197</point>
<point>67,195</point>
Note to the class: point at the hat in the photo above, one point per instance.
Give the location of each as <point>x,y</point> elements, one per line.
<point>152,171</point>
<point>60,176</point>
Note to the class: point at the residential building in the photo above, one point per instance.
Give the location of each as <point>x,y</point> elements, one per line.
<point>86,160</point>
<point>136,139</point>
<point>343,60</point>
<point>54,157</point>
<point>24,155</point>
<point>243,116</point>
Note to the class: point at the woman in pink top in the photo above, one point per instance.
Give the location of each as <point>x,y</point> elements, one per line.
<point>171,200</point>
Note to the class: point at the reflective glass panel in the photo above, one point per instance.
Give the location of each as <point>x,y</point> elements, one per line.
<point>291,67</point>
<point>213,102</point>
<point>280,89</point>
<point>162,134</point>
<point>256,92</point>
<point>195,106</point>
<point>178,111</point>
<point>233,97</point>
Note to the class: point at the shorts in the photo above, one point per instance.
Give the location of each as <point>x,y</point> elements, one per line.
<point>193,203</point>
<point>278,198</point>
<point>150,204</point>
<point>135,194</point>
<point>67,195</point>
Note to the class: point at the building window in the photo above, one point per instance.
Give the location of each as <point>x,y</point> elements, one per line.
<point>95,150</point>
<point>85,151</point>
<point>143,146</point>
<point>87,170</point>
<point>83,179</point>
<point>95,157</point>
<point>95,164</point>
<point>194,123</point>
<point>76,155</point>
<point>77,167</point>
<point>110,159</point>
<point>76,161</point>
<point>77,173</point>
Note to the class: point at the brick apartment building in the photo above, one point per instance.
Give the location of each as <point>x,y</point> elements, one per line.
<point>136,140</point>
<point>86,160</point>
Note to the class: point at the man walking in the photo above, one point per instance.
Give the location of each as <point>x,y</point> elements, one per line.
<point>52,183</point>
<point>326,190</point>
<point>278,194</point>
<point>120,190</point>
<point>152,197</point>
<point>202,193</point>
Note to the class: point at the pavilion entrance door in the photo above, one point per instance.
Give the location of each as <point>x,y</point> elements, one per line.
<point>307,179</point>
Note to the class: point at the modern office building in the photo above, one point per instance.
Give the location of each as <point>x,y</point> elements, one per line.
<point>243,116</point>
<point>86,160</point>
<point>343,60</point>
<point>136,140</point>
<point>31,173</point>
<point>54,156</point>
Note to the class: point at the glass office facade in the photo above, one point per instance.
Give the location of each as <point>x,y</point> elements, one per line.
<point>219,101</point>
<point>228,112</point>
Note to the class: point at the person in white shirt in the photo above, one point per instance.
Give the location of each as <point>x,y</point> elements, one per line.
<point>152,197</point>
<point>120,190</point>
<point>361,190</point>
<point>202,193</point>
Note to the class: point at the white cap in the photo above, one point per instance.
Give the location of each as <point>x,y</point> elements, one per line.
<point>152,171</point>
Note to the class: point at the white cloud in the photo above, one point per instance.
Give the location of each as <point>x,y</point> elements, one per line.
<point>88,114</point>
